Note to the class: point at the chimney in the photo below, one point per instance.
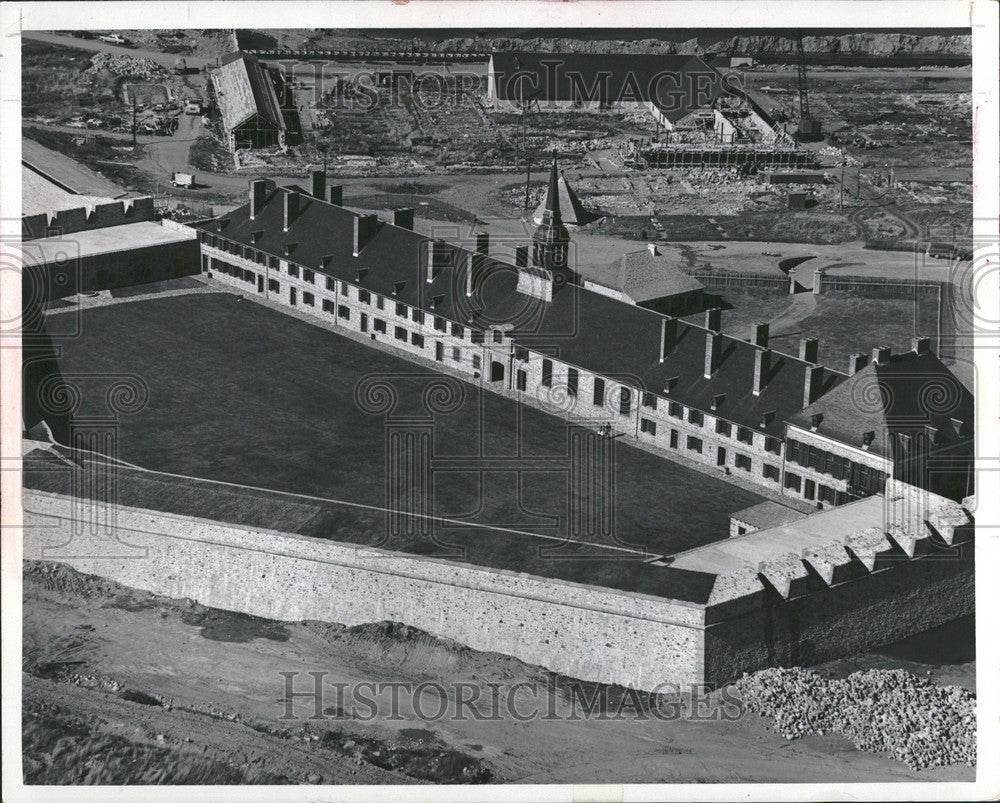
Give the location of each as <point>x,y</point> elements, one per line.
<point>291,208</point>
<point>403,218</point>
<point>258,196</point>
<point>521,256</point>
<point>668,336</point>
<point>761,368</point>
<point>713,319</point>
<point>483,243</point>
<point>436,258</point>
<point>337,194</point>
<point>365,227</point>
<point>651,247</point>
<point>856,363</point>
<point>761,333</point>
<point>469,266</point>
<point>713,348</point>
<point>809,349</point>
<point>921,345</point>
<point>319,184</point>
<point>813,383</point>
<point>881,355</point>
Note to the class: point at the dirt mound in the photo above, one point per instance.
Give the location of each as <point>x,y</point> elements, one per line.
<point>918,722</point>
<point>398,648</point>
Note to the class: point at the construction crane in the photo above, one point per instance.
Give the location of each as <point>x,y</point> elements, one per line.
<point>810,129</point>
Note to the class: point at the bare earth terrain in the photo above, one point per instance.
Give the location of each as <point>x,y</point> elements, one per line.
<point>170,691</point>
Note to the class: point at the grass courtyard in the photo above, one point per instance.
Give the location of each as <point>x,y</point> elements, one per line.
<point>244,394</point>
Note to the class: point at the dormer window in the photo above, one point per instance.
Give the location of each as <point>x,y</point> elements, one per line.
<point>815,421</point>
<point>867,439</point>
<point>397,288</point>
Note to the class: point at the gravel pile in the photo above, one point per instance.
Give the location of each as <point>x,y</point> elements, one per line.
<point>915,720</point>
<point>128,66</point>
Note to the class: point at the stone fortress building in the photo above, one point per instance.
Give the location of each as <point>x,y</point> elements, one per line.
<point>884,447</point>
<point>785,422</point>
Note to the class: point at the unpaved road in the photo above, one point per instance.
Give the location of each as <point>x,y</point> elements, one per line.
<point>196,693</point>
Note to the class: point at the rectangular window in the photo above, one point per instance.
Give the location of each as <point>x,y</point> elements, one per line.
<point>418,315</point>
<point>476,362</point>
<point>694,444</point>
<point>293,270</point>
<point>344,312</point>
<point>673,438</point>
<point>826,494</point>
<point>440,324</point>
<point>329,306</point>
<point>744,435</point>
<point>364,297</point>
<point>401,309</point>
<point>547,373</point>
<point>309,299</point>
<point>771,473</point>
<point>380,302</point>
<point>379,325</point>
<point>645,425</point>
<point>723,427</point>
<point>572,381</point>
<point>331,284</point>
<point>696,417</point>
<point>417,340</point>
<point>345,289</point>
<point>772,445</point>
<point>793,481</point>
<point>743,462</point>
<point>625,403</point>
<point>272,263</point>
<point>497,336</point>
<point>457,330</point>
<point>831,461</point>
<point>456,353</point>
<point>400,333</point>
<point>273,286</point>
<point>648,400</point>
<point>308,276</point>
<point>522,379</point>
<point>520,353</point>
<point>598,392</point>
<point>477,336</point>
<point>675,410</point>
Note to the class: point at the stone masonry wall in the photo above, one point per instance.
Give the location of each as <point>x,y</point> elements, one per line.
<point>585,632</point>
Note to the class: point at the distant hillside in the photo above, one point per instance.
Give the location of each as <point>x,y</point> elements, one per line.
<point>838,48</point>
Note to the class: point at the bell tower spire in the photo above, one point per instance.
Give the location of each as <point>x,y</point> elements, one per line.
<point>551,239</point>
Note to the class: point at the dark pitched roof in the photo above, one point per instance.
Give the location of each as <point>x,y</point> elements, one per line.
<point>904,394</point>
<point>243,89</point>
<point>572,211</point>
<point>678,85</point>
<point>644,276</point>
<point>580,327</point>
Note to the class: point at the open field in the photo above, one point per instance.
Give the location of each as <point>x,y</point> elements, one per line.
<point>196,696</point>
<point>845,323</point>
<point>210,415</point>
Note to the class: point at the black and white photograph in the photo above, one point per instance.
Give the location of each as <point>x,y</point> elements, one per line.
<point>397,398</point>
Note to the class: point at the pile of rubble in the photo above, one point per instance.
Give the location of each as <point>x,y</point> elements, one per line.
<point>128,66</point>
<point>916,721</point>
